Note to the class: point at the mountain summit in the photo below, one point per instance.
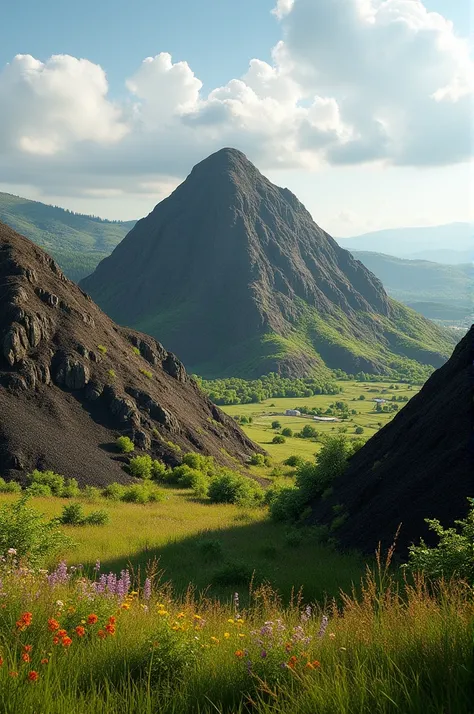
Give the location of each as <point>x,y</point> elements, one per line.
<point>71,381</point>
<point>233,273</point>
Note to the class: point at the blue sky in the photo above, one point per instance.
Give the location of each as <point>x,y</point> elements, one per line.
<point>357,159</point>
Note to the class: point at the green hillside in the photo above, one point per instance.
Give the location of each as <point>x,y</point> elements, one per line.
<point>437,291</point>
<point>77,242</point>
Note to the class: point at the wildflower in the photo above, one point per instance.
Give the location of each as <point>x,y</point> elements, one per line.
<point>71,610</point>
<point>241,634</point>
<point>102,634</point>
<point>112,620</point>
<point>332,635</point>
<point>263,654</point>
<point>45,660</point>
<point>92,619</point>
<point>239,654</point>
<point>292,662</point>
<point>33,676</point>
<point>1,661</point>
<point>226,635</point>
<point>11,551</point>
<point>229,620</point>
<point>126,606</point>
<point>288,646</point>
<point>110,629</point>
<point>53,625</point>
<point>97,566</point>
<point>323,626</point>
<point>55,640</point>
<point>60,604</point>
<point>66,641</point>
<point>13,674</point>
<point>25,657</point>
<point>306,614</point>
<point>147,589</point>
<point>25,621</point>
<point>215,640</point>
<point>180,615</point>
<point>27,648</point>
<point>80,631</point>
<point>198,617</point>
<point>62,633</point>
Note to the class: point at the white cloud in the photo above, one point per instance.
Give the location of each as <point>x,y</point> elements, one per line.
<point>351,82</point>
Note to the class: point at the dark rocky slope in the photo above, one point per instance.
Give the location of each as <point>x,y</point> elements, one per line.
<point>233,273</point>
<point>71,381</point>
<point>421,465</point>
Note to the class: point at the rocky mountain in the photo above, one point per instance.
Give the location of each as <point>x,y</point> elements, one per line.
<point>237,278</point>
<point>71,381</point>
<point>77,242</point>
<point>421,465</point>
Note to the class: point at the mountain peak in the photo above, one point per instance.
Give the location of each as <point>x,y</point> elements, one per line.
<point>236,275</point>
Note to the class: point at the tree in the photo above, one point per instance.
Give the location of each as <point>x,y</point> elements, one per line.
<point>287,431</point>
<point>276,425</point>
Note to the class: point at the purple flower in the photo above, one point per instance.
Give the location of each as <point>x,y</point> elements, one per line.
<point>323,626</point>
<point>236,603</point>
<point>263,654</point>
<point>97,565</point>
<point>306,614</point>
<point>147,589</point>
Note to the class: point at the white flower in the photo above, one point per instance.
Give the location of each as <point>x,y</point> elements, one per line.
<point>11,551</point>
<point>59,603</point>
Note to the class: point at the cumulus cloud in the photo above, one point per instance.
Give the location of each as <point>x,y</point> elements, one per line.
<point>351,81</point>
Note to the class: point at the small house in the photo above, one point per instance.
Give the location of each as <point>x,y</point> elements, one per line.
<point>292,412</point>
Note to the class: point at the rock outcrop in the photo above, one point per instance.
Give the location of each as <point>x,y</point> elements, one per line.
<point>71,381</point>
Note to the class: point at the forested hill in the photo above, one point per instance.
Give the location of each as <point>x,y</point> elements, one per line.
<point>77,242</point>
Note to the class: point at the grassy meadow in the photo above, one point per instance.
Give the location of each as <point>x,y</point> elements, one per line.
<point>264,413</point>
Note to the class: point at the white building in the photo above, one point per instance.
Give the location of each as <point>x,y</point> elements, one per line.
<point>292,412</point>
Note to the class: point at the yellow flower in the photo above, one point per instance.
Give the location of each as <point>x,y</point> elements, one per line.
<point>134,592</point>
<point>125,606</point>
<point>163,613</point>
<point>332,635</point>
<point>215,640</point>
<point>231,621</point>
<point>180,615</point>
<point>241,634</point>
<point>226,635</point>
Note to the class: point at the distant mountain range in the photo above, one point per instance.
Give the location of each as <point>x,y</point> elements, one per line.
<point>443,292</point>
<point>451,244</point>
<point>77,242</point>
<point>234,275</point>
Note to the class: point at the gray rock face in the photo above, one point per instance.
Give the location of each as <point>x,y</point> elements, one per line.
<point>94,390</point>
<point>163,416</point>
<point>125,410</point>
<point>15,344</point>
<point>174,367</point>
<point>70,372</point>
<point>142,440</point>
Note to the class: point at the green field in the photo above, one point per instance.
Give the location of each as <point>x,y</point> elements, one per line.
<point>264,413</point>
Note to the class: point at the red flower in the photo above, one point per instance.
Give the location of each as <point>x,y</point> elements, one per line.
<point>102,634</point>
<point>55,640</point>
<point>80,631</point>
<point>110,629</point>
<point>33,676</point>
<point>112,620</point>
<point>45,661</point>
<point>92,619</point>
<point>53,625</point>
<point>25,657</point>
<point>66,641</point>
<point>27,648</point>
<point>62,633</point>
<point>25,621</point>
<point>1,661</point>
<point>292,662</point>
<point>13,674</point>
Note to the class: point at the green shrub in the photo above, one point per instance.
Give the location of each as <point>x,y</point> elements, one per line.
<point>47,478</point>
<point>211,549</point>
<point>72,515</point>
<point>278,439</point>
<point>97,518</point>
<point>91,493</point>
<point>257,460</point>
<point>276,425</point>
<point>201,488</point>
<point>71,489</point>
<point>114,491</point>
<point>454,553</point>
<point>285,504</point>
<point>231,574</point>
<point>206,464</point>
<point>125,445</point>
<point>229,487</point>
<point>136,351</point>
<point>186,477</point>
<point>25,530</point>
<point>146,373</point>
<point>141,493</point>
<point>111,374</point>
<point>9,486</point>
<point>359,430</point>
<point>308,432</point>
<point>294,461</point>
<point>39,489</point>
<point>158,471</point>
<point>102,349</point>
<point>141,466</point>
<point>287,431</point>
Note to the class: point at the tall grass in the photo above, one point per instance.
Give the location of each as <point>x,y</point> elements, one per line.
<point>391,648</point>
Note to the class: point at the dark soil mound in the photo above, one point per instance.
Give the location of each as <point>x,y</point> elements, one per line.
<point>419,466</point>
<point>71,381</point>
<point>234,275</point>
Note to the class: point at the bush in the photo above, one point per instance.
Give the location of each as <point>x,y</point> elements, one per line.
<point>454,553</point>
<point>141,493</point>
<point>146,373</point>
<point>25,529</point>
<point>359,430</point>
<point>125,445</point>
<point>278,439</point>
<point>276,425</point>
<point>294,461</point>
<point>39,489</point>
<point>229,487</point>
<point>285,504</point>
<point>97,518</point>
<point>71,489</point>
<point>211,549</point>
<point>186,477</point>
<point>141,466</point>
<point>257,460</point>
<point>236,573</point>
<point>206,464</point>
<point>102,349</point>
<point>114,491</point>
<point>48,478</point>
<point>72,515</point>
<point>9,486</point>
<point>287,431</point>
<point>91,493</point>
<point>308,432</point>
